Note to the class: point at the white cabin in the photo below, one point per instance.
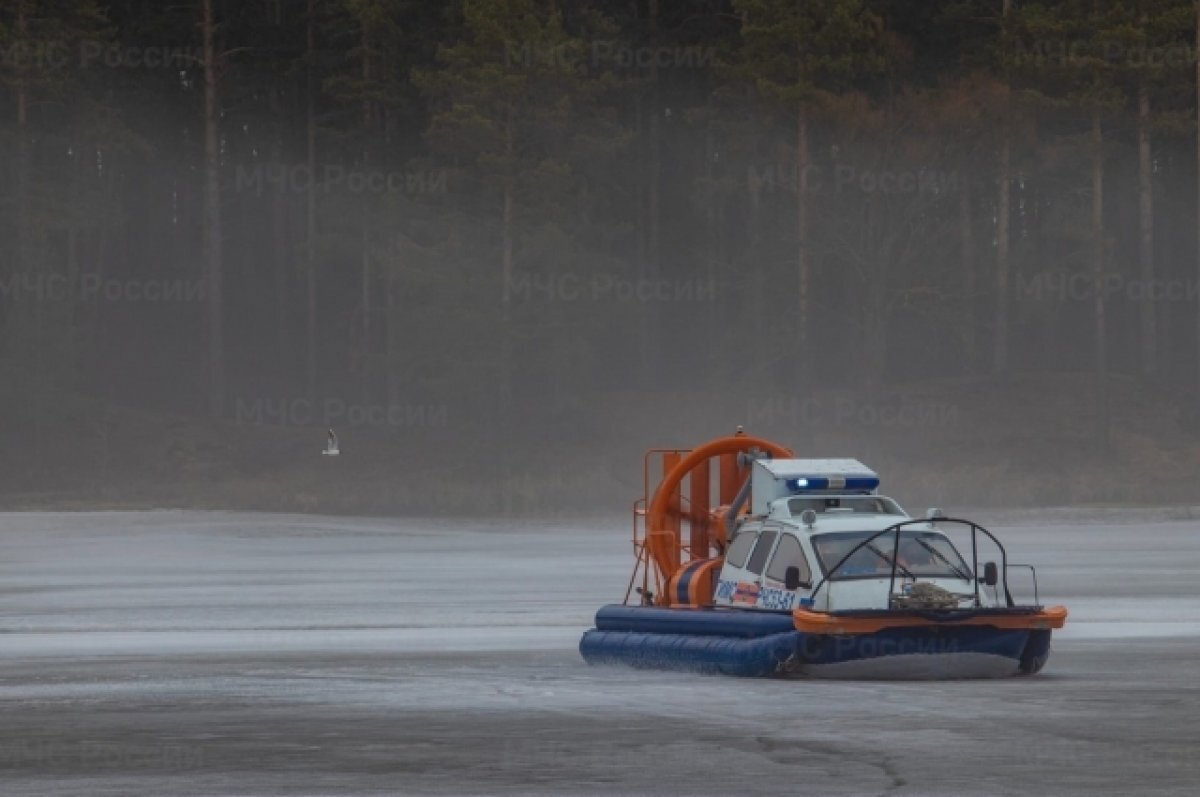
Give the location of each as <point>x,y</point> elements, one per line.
<point>806,516</point>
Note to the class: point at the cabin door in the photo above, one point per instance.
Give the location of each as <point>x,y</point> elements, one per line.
<point>750,586</point>
<point>774,592</point>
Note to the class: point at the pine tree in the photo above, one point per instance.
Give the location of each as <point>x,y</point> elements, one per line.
<point>798,55</point>
<point>38,337</point>
<point>504,96</point>
<point>1139,41</point>
<point>370,81</point>
<point>213,239</point>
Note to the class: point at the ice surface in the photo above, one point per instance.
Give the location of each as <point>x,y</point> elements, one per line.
<point>216,653</point>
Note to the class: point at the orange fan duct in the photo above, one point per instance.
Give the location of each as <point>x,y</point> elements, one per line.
<point>705,516</point>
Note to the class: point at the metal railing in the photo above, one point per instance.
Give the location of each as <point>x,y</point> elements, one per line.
<point>895,530</point>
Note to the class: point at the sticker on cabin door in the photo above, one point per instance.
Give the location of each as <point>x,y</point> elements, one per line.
<point>746,592</point>
<point>770,598</point>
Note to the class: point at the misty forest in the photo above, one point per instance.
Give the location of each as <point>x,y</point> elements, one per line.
<point>503,246</point>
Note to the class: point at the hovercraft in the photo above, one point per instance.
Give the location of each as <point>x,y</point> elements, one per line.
<point>751,562</point>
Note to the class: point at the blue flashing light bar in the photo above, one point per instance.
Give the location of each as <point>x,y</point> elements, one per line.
<point>853,484</point>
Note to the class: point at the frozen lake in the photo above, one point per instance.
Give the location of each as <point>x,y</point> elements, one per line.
<point>214,653</point>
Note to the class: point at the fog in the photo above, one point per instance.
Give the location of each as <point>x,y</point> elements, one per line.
<point>503,247</point>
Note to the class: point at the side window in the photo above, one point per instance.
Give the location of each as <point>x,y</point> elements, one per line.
<point>740,548</point>
<point>789,554</point>
<point>761,551</point>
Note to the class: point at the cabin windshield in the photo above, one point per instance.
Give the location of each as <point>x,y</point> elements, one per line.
<point>926,554</point>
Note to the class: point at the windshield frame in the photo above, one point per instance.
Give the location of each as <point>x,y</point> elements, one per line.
<point>881,547</point>
<point>1000,588</point>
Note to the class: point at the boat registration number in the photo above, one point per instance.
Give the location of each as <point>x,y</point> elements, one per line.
<point>763,597</point>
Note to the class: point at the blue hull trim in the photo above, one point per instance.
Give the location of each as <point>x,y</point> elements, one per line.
<point>690,652</point>
<point>702,622</point>
<point>756,644</point>
<point>908,641</point>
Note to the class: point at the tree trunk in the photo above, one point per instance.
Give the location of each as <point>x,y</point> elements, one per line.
<point>712,250</point>
<point>310,243</point>
<point>365,217</point>
<point>802,263</point>
<point>365,301</point>
<point>280,246</point>
<point>21,90</point>
<point>1000,352</point>
<point>875,324</point>
<point>1000,342</point>
<point>392,332</point>
<point>1098,258</point>
<point>280,249</point>
<point>967,253</point>
<point>649,324</point>
<point>506,265</point>
<point>22,256</point>
<point>14,320</point>
<point>99,330</point>
<point>212,217</point>
<point>652,263</point>
<point>1149,332</point>
<point>1098,248</point>
<point>750,282</point>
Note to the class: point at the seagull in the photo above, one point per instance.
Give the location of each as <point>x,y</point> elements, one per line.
<point>331,446</point>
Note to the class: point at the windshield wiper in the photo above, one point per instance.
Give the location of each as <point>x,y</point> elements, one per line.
<point>942,556</point>
<point>888,559</point>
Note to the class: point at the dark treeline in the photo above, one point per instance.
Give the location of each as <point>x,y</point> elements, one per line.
<point>507,210</point>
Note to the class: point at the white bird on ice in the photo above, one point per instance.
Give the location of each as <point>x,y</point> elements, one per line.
<point>331,446</point>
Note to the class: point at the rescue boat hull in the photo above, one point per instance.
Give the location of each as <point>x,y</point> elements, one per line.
<point>757,644</point>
